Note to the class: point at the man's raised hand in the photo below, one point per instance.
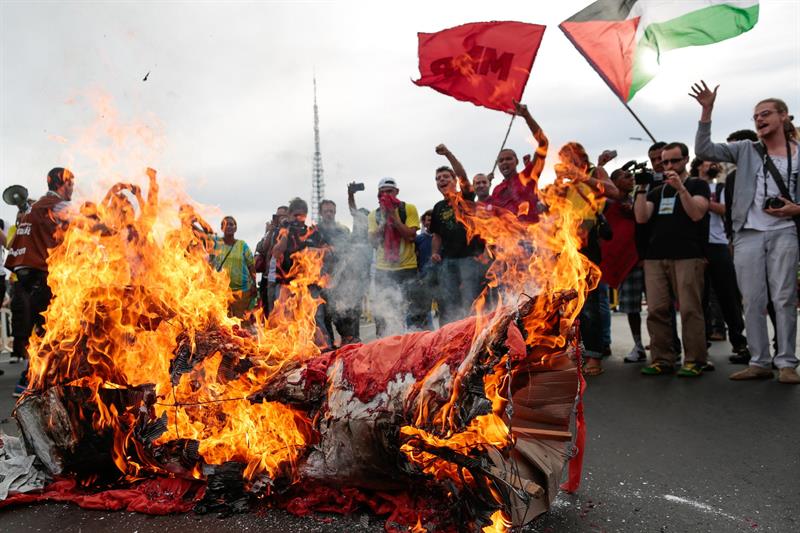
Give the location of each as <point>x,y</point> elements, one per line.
<point>442,149</point>
<point>521,109</point>
<point>704,96</point>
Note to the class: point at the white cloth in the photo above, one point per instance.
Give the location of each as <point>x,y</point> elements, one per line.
<point>757,219</point>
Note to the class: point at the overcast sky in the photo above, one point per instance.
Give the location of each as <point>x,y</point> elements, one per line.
<point>227,106</point>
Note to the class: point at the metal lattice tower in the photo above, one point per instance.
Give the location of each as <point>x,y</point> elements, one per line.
<point>317,177</point>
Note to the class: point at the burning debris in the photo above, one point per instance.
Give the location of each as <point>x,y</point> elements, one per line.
<point>141,375</point>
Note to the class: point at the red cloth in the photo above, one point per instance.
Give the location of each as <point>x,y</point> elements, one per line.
<point>518,195</point>
<point>619,255</point>
<point>158,496</point>
<point>575,465</point>
<point>391,237</point>
<point>486,63</point>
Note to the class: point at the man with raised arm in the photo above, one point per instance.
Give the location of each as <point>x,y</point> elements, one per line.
<point>764,215</point>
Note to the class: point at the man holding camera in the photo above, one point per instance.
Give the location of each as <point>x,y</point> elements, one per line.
<point>764,218</point>
<point>677,211</point>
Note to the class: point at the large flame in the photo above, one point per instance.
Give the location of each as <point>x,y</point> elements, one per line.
<point>133,290</point>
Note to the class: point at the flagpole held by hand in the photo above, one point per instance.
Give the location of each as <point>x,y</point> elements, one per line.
<point>505,139</point>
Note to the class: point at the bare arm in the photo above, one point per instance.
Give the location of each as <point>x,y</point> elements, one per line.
<point>717,208</point>
<point>695,206</point>
<point>602,184</point>
<point>642,208</point>
<point>537,163</point>
<point>458,168</point>
<point>351,198</point>
<point>436,248</point>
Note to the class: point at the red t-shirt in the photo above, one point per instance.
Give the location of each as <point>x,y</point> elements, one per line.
<point>517,194</point>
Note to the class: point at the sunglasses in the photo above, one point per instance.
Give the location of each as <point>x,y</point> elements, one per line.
<point>672,161</point>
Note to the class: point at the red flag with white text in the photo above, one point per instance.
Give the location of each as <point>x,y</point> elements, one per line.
<point>486,63</point>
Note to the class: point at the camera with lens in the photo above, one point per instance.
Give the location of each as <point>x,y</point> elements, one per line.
<point>641,174</point>
<point>773,202</point>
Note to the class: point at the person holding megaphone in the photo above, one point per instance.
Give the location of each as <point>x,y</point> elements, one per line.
<point>36,233</point>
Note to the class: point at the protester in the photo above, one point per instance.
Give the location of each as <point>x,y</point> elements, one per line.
<point>674,262</point>
<point>3,242</point>
<point>586,186</point>
<point>481,184</point>
<point>294,237</point>
<point>517,192</point>
<point>392,229</point>
<point>730,183</point>
<point>720,272</point>
<point>38,232</point>
<point>235,257</point>
<point>620,259</point>
<point>460,270</point>
<point>359,260</point>
<point>765,235</point>
<point>265,262</point>
<point>341,311</point>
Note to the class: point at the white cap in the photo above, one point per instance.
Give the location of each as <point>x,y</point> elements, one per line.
<point>388,182</point>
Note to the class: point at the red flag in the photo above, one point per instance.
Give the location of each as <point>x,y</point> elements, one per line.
<point>486,63</point>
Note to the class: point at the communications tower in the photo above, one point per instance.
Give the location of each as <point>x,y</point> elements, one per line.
<point>317,177</point>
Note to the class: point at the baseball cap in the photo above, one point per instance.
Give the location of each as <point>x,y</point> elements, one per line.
<point>388,182</point>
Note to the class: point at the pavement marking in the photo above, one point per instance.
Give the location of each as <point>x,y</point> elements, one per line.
<point>701,506</point>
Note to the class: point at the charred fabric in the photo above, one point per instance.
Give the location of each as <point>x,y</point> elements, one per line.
<point>463,428</point>
<point>362,417</point>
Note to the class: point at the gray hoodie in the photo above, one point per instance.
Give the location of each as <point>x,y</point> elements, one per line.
<point>747,160</point>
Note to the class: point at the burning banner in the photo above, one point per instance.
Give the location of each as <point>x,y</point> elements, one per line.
<point>143,383</point>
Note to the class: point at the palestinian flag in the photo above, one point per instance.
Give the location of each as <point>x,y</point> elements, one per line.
<point>623,39</point>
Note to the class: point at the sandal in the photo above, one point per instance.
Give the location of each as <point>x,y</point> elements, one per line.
<point>592,370</point>
<point>657,369</point>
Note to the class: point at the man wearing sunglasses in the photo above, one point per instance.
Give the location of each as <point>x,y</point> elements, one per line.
<point>677,213</point>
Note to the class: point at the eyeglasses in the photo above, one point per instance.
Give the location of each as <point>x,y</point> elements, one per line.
<point>672,161</point>
<point>763,114</point>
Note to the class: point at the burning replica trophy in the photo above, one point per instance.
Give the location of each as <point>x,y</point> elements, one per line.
<point>141,380</point>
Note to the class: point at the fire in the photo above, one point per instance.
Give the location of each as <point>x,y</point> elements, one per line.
<point>540,259</point>
<point>137,306</point>
<point>128,284</point>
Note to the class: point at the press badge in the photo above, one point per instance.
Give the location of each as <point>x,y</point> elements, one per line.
<point>666,206</point>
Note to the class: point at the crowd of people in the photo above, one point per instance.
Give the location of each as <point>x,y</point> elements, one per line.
<point>712,239</point>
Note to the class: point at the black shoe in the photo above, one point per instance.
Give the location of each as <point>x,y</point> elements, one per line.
<point>707,367</point>
<point>741,357</point>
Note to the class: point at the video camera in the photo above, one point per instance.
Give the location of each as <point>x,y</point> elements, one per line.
<point>641,174</point>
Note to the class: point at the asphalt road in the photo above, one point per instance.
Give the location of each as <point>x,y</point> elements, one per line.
<point>664,454</point>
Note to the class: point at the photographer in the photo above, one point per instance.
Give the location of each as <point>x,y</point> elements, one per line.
<point>764,217</point>
<point>265,263</point>
<point>293,237</point>
<point>677,211</point>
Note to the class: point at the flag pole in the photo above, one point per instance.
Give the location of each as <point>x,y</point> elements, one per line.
<point>502,146</point>
<point>639,121</point>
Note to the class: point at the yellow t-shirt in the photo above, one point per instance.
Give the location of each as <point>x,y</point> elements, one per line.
<point>408,256</point>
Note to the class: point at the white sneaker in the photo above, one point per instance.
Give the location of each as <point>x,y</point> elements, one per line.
<point>636,355</point>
